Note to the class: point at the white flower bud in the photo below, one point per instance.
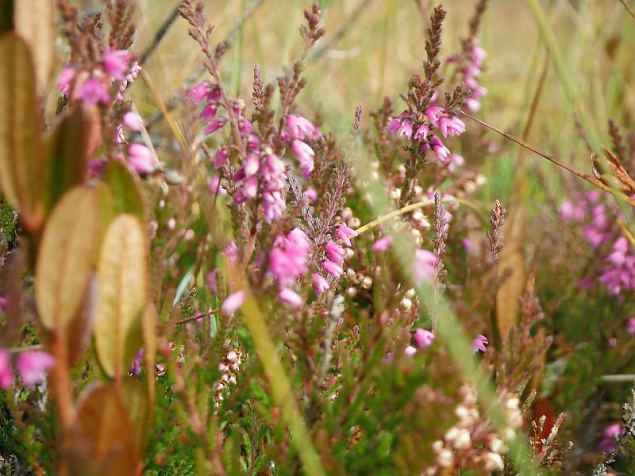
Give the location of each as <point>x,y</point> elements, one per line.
<point>497,445</point>
<point>406,304</point>
<point>494,462</point>
<point>445,458</point>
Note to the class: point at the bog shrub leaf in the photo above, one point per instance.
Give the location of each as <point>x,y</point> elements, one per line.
<point>34,23</point>
<point>20,146</point>
<point>67,149</point>
<point>102,438</point>
<point>122,294</point>
<point>67,256</point>
<point>125,189</point>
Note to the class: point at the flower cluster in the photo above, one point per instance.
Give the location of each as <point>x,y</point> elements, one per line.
<point>471,65</point>
<point>229,368</point>
<point>424,131</point>
<point>288,261</point>
<point>31,365</point>
<point>93,87</point>
<point>471,443</point>
<point>299,132</point>
<point>598,229</point>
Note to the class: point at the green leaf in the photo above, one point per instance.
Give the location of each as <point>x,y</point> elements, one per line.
<point>122,282</point>
<point>102,438</point>
<point>67,148</point>
<point>20,145</point>
<point>125,188</point>
<point>66,257</point>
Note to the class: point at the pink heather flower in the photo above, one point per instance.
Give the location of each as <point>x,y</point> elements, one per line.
<point>310,194</point>
<point>424,338</point>
<point>251,165</point>
<point>382,244</point>
<point>410,351</point>
<point>332,268</point>
<point>304,153</point>
<point>214,125</point>
<point>6,375</point>
<point>335,252</point>
<point>451,126</point>
<point>619,272</point>
<point>320,284</point>
<point>441,151</point>
<point>290,297</point>
<point>300,127</point>
<point>231,252</point>
<point>215,186</point>
<point>609,437</point>
<point>93,91</point>
<point>65,79</point>
<point>199,92</point>
<point>345,233</point>
<point>630,325</point>
<point>569,211</point>
<point>288,259</point>
<point>141,159</point>
<point>133,121</point>
<point>117,63</point>
<point>434,113</point>
<point>3,303</point>
<point>233,303</point>
<point>221,157</point>
<point>425,263</point>
<point>32,366</point>
<point>405,130</point>
<point>473,104</point>
<point>422,133</point>
<point>480,343</point>
<point>394,125</point>
<point>456,161</point>
<point>209,112</point>
<point>211,281</point>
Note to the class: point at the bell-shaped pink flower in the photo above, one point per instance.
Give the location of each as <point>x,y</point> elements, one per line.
<point>290,297</point>
<point>300,127</point>
<point>320,283</point>
<point>480,343</point>
<point>141,159</point>
<point>133,121</point>
<point>424,338</point>
<point>382,244</point>
<point>434,113</point>
<point>335,252</point>
<point>345,233</point>
<point>32,366</point>
<point>221,157</point>
<point>332,268</point>
<point>117,63</point>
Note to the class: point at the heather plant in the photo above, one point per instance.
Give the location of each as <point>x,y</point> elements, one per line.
<point>229,281</point>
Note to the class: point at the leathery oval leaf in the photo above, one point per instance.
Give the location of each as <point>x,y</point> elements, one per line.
<point>66,257</point>
<point>122,294</point>
<point>21,154</point>
<point>102,437</point>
